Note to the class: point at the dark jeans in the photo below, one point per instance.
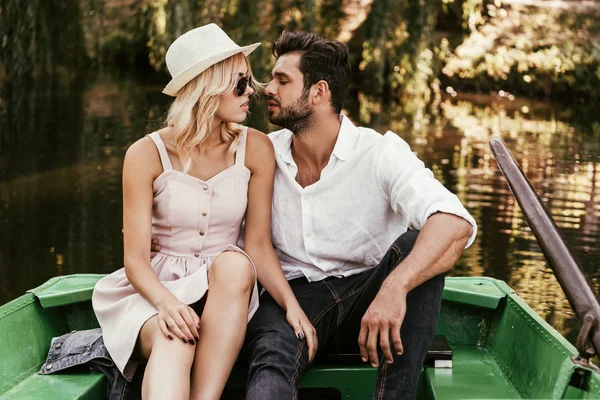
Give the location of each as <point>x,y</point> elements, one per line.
<point>335,307</point>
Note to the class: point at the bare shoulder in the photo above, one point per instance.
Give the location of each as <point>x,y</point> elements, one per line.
<point>259,149</point>
<point>167,134</point>
<point>142,158</point>
<point>143,150</point>
<point>258,141</point>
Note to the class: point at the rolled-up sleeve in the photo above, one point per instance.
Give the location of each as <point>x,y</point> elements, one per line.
<point>412,190</point>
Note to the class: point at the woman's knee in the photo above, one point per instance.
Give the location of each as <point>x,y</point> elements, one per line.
<point>152,339</point>
<point>233,270</point>
<point>175,345</point>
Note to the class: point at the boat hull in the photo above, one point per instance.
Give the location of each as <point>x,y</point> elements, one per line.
<point>500,348</point>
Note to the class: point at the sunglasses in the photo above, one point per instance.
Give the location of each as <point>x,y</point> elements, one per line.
<point>242,85</point>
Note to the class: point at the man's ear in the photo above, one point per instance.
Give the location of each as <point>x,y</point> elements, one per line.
<point>322,92</point>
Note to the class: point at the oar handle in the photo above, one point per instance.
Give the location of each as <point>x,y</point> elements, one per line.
<point>575,284</point>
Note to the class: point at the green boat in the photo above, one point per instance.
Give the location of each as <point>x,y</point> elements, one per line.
<point>490,344</point>
<point>500,349</point>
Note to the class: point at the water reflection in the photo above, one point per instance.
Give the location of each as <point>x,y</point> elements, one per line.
<point>61,155</point>
<point>60,191</point>
<point>562,165</point>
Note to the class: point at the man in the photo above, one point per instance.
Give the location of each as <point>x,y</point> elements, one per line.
<point>342,196</point>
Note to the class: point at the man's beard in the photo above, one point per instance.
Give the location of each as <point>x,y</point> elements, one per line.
<point>297,117</point>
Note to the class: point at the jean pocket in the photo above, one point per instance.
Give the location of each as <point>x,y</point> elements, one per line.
<point>75,343</point>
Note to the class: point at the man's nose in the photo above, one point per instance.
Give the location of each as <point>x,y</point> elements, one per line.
<point>269,90</point>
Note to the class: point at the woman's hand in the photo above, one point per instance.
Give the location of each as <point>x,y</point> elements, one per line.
<point>176,319</point>
<point>303,329</point>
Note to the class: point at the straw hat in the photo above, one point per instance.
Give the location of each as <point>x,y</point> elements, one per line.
<point>195,51</point>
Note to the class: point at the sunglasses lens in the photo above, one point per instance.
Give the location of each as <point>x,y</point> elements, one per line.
<point>241,86</point>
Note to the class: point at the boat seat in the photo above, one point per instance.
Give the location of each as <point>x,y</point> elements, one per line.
<point>475,374</point>
<point>78,385</point>
<point>438,356</point>
<point>343,372</point>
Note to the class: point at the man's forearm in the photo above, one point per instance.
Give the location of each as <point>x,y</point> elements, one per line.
<point>439,245</point>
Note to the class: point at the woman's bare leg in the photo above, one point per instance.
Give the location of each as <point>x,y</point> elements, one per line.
<point>167,374</point>
<point>222,325</point>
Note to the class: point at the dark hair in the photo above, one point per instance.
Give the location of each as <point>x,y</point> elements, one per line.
<point>320,59</point>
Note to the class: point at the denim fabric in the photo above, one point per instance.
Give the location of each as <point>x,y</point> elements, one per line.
<point>81,348</point>
<point>335,307</point>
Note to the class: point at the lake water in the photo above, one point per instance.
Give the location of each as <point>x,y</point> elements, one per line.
<point>61,154</point>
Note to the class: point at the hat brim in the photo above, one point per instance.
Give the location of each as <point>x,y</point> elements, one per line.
<point>183,78</point>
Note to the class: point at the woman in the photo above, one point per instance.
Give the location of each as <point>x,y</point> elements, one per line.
<point>190,185</point>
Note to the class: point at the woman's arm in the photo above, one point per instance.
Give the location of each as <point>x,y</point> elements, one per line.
<point>141,166</point>
<point>260,160</point>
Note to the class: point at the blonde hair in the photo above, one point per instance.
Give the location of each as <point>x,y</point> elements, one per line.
<point>192,113</point>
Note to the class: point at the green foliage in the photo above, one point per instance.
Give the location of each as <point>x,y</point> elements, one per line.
<point>399,48</point>
<point>246,21</point>
<point>532,51</point>
<point>124,36</point>
<point>33,38</point>
<point>398,59</point>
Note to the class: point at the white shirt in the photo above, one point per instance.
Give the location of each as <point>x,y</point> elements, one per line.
<point>371,191</point>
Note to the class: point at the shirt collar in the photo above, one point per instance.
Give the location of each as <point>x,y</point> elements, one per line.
<point>282,143</point>
<point>346,140</point>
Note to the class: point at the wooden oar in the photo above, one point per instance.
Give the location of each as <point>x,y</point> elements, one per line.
<point>575,284</point>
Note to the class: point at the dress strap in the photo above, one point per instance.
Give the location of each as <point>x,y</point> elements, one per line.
<point>240,153</point>
<point>162,151</point>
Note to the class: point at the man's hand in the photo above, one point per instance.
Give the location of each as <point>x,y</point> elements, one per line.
<point>154,247</point>
<point>383,318</point>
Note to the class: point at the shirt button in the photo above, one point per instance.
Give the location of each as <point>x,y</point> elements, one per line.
<point>204,214</point>
<point>205,187</point>
<point>201,233</point>
<point>196,255</point>
<point>49,366</point>
<point>58,345</point>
